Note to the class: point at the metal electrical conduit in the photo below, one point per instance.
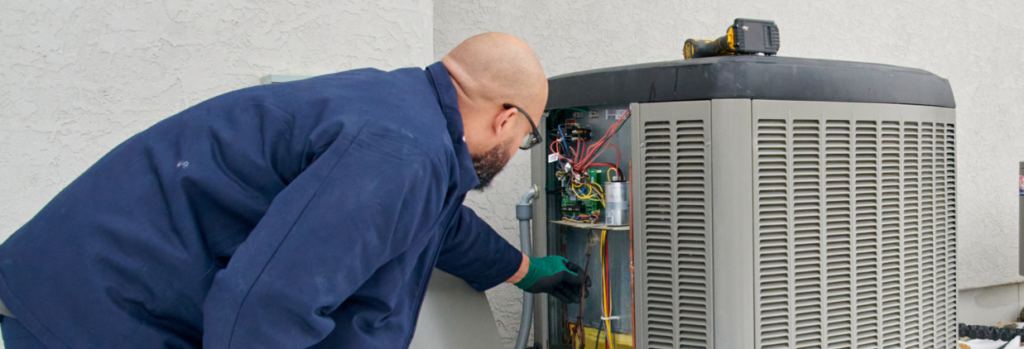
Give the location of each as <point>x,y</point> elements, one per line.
<point>524,213</point>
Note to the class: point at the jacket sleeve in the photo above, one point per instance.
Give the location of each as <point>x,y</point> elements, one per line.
<point>357,206</point>
<point>473,251</point>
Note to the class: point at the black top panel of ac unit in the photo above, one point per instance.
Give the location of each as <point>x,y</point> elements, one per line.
<point>750,77</point>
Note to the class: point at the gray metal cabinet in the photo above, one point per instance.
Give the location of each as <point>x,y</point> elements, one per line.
<point>777,203</point>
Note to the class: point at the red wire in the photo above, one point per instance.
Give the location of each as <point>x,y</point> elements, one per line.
<point>554,150</point>
<point>618,156</point>
<point>590,152</point>
<point>600,164</point>
<point>578,147</point>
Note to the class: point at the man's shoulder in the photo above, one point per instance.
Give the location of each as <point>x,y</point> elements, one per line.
<point>396,113</point>
<point>364,80</point>
<point>422,135</point>
<point>357,86</point>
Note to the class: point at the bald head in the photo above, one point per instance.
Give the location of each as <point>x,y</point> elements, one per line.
<point>498,68</point>
<point>490,71</point>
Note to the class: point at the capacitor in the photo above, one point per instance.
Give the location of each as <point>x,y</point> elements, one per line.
<point>616,203</point>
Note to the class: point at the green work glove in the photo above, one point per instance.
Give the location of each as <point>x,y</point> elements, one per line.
<point>556,276</point>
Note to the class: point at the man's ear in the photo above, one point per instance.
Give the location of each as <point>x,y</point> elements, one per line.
<point>503,120</point>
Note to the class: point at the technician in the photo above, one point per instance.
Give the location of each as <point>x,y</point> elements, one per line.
<point>295,215</point>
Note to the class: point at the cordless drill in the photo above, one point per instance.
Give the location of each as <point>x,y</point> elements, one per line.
<point>744,37</point>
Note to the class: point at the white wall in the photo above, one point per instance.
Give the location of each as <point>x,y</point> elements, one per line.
<point>78,78</point>
<point>977,45</point>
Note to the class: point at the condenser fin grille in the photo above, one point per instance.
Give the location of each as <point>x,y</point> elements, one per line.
<point>676,226</point>
<point>854,232</point>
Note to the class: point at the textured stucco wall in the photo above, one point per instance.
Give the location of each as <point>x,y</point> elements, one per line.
<point>975,44</point>
<point>76,79</point>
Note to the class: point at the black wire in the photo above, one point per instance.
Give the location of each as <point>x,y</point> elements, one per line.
<point>597,342</point>
<point>583,302</point>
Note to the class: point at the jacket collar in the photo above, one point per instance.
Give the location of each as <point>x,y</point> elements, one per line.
<point>447,96</point>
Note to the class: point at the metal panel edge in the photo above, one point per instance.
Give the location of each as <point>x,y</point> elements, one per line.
<point>640,312</point>
<point>732,221</point>
<point>539,235</point>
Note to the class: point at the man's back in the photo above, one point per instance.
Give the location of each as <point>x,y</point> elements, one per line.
<point>132,248</point>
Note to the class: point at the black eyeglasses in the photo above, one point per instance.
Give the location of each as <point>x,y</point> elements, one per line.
<point>531,139</point>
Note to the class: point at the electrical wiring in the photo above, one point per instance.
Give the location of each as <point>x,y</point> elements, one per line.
<point>606,294</point>
<point>576,153</point>
<point>576,109</point>
<point>577,160</point>
<point>582,218</point>
<point>616,172</point>
<point>610,166</point>
<point>618,158</point>
<point>615,166</point>
<point>593,193</point>
<point>595,149</point>
<point>562,133</point>
<point>578,331</point>
<point>597,191</point>
<point>581,195</point>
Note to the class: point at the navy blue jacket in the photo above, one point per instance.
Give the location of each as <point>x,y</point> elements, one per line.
<point>304,214</point>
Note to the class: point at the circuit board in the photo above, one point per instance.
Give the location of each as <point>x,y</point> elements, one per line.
<point>583,203</point>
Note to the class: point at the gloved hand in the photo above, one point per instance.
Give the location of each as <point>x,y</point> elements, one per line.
<point>556,276</point>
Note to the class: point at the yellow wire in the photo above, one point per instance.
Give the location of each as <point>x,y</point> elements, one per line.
<point>596,189</point>
<point>613,169</point>
<point>607,297</point>
<point>590,191</point>
<point>583,196</point>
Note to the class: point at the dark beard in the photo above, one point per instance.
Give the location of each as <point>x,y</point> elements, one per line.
<point>489,164</point>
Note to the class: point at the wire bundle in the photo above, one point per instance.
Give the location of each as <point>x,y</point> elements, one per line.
<point>594,192</point>
<point>578,339</point>
<point>575,161</point>
<point>583,218</point>
<point>606,292</point>
<point>594,150</point>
